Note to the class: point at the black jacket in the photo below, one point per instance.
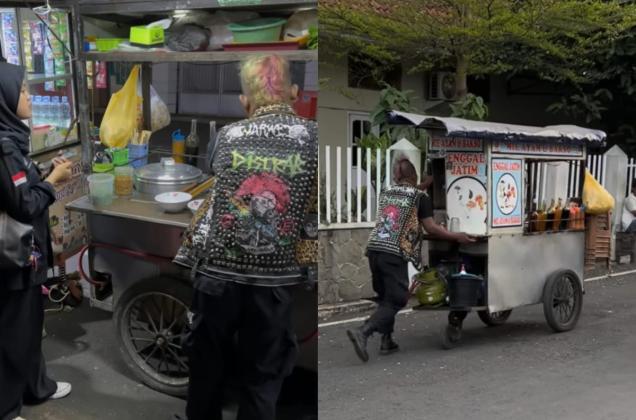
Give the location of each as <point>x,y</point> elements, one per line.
<point>27,202</point>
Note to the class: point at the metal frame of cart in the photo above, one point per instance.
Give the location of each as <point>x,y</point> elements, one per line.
<point>522,268</point>
<point>132,241</point>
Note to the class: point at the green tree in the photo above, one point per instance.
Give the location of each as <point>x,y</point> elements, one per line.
<point>555,39</point>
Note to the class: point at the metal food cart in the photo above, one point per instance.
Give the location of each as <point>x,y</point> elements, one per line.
<point>132,242</point>
<point>492,177</point>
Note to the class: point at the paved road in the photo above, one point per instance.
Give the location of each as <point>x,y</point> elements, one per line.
<point>517,371</point>
<point>81,348</point>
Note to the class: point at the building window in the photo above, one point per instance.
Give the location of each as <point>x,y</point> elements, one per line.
<point>359,126</point>
<point>360,75</point>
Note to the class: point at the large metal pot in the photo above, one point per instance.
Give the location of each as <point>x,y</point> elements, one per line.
<point>166,176</point>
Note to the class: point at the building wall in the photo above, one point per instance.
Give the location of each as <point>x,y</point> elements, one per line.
<point>337,99</point>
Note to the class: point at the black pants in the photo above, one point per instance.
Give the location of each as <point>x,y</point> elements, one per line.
<point>22,369</point>
<point>267,349</point>
<point>390,276</point>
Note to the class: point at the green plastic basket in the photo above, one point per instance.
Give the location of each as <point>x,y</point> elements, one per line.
<point>258,30</point>
<point>108,44</point>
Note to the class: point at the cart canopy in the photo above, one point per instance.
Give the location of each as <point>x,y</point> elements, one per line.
<point>458,127</point>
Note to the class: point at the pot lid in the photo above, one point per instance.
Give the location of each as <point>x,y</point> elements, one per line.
<point>168,171</point>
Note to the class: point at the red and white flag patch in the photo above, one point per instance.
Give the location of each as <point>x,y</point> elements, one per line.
<point>19,178</point>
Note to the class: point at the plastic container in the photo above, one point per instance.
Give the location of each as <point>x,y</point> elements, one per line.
<point>120,156</point>
<point>306,105</point>
<point>108,44</point>
<point>142,35</point>
<point>65,107</point>
<point>178,146</point>
<point>258,30</point>
<point>138,155</point>
<point>101,189</point>
<point>464,290</point>
<point>124,180</point>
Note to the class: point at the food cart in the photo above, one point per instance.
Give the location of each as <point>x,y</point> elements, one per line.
<point>131,241</point>
<point>490,181</point>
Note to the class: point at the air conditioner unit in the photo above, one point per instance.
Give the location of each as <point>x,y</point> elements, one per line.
<point>441,86</point>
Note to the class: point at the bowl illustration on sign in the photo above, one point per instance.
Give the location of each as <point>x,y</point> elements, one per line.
<point>507,194</point>
<point>466,200</point>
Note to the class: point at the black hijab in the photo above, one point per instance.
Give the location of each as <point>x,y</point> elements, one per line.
<point>11,126</point>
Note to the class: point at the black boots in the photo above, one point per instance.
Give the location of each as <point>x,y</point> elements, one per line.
<point>358,337</point>
<point>387,345</point>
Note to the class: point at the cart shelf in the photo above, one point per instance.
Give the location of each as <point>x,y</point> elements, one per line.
<point>129,6</point>
<point>207,56</point>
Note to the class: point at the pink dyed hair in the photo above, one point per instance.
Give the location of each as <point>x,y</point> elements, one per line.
<point>266,80</point>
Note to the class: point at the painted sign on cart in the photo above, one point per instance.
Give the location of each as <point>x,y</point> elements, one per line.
<point>466,197</point>
<point>438,143</point>
<point>536,148</point>
<point>506,192</point>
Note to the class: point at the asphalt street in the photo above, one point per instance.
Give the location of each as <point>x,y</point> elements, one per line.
<point>81,348</point>
<point>521,370</point>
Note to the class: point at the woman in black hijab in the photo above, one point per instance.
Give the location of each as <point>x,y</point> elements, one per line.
<point>26,197</point>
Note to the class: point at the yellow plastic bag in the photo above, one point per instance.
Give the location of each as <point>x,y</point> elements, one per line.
<point>596,199</point>
<point>121,118</point>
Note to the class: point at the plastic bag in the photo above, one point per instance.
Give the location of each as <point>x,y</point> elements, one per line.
<point>596,199</point>
<point>159,112</point>
<point>299,23</point>
<point>187,38</point>
<point>120,119</point>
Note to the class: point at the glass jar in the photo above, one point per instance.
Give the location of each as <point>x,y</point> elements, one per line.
<point>123,180</point>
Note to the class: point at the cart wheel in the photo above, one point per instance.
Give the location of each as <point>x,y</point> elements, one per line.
<point>562,300</point>
<point>493,319</point>
<point>451,336</point>
<point>152,320</point>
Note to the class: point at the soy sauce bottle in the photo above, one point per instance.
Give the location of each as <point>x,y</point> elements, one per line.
<point>192,145</point>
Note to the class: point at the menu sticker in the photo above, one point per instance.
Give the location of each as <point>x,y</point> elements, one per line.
<point>466,197</point>
<point>507,191</point>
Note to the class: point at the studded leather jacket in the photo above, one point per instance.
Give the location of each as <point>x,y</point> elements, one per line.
<point>265,170</point>
<point>397,230</point>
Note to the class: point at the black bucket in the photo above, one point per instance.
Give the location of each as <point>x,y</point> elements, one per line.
<point>464,290</point>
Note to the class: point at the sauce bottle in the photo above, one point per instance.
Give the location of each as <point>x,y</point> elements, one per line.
<point>192,145</point>
<point>558,210</point>
<point>541,216</point>
<point>178,146</point>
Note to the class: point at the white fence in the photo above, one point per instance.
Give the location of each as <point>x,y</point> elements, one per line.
<point>350,177</point>
<point>351,198</point>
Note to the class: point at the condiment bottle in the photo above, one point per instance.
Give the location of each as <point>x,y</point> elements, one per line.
<point>574,216</point>
<point>558,210</point>
<point>565,218</point>
<point>192,145</point>
<point>541,216</point>
<point>178,146</point>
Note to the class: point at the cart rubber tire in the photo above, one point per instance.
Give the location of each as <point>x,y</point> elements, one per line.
<point>562,281</point>
<point>168,292</point>
<point>494,319</point>
<point>449,341</point>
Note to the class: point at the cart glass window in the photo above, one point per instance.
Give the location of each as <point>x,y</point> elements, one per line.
<point>558,208</point>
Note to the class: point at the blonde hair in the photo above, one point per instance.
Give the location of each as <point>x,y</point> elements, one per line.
<point>266,80</point>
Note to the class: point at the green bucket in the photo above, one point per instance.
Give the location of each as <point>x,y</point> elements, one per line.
<point>257,30</point>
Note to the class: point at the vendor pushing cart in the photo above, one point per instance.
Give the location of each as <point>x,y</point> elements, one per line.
<point>517,191</point>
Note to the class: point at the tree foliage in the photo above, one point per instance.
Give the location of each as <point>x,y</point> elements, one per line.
<point>557,40</point>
